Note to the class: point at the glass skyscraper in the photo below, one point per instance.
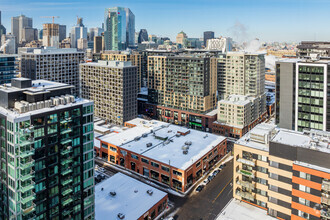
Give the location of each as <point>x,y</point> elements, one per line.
<point>119,28</point>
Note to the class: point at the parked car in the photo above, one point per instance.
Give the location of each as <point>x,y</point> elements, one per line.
<point>102,176</point>
<point>98,179</point>
<point>215,172</point>
<point>206,181</point>
<point>221,166</point>
<point>210,177</point>
<point>96,166</point>
<point>199,188</point>
<point>101,169</point>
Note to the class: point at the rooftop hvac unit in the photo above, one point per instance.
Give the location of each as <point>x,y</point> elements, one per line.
<point>169,131</point>
<point>188,143</point>
<point>56,102</point>
<point>184,147</point>
<point>38,105</point>
<point>149,144</point>
<point>62,101</point>
<point>47,103</point>
<point>144,135</point>
<point>112,193</point>
<point>205,136</point>
<point>121,216</point>
<point>178,134</point>
<point>185,152</point>
<point>67,99</point>
<point>167,142</point>
<point>137,138</point>
<point>30,107</point>
<point>150,192</point>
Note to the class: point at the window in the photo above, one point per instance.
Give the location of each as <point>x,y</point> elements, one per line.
<point>134,156</point>
<point>198,164</point>
<point>154,164</point>
<point>113,149</point>
<point>262,169</point>
<point>303,214</point>
<point>144,160</point>
<point>305,175</point>
<point>304,201</point>
<point>261,192</point>
<point>166,169</point>
<point>262,181</point>
<point>177,173</point>
<point>304,188</point>
<point>262,158</point>
<point>104,146</point>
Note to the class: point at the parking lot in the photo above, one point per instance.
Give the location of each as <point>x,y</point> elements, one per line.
<point>102,173</point>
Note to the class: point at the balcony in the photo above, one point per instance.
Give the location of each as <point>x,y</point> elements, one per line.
<point>26,141</point>
<point>66,212</point>
<point>66,130</point>
<point>66,161</point>
<point>67,151</point>
<point>245,195</point>
<point>68,201</point>
<point>28,210</point>
<point>28,199</point>
<point>66,192</point>
<point>66,141</point>
<point>26,165</point>
<point>26,131</point>
<point>245,161</point>
<point>66,171</point>
<point>325,199</point>
<point>26,153</point>
<point>325,214</point>
<point>27,176</point>
<point>246,184</point>
<point>27,188</point>
<point>65,182</point>
<point>246,173</point>
<point>66,120</point>
<point>326,185</point>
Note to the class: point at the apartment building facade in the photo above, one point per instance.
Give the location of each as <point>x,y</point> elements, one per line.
<point>134,57</point>
<point>302,94</point>
<point>47,161</point>
<point>172,155</point>
<point>184,82</point>
<point>58,65</point>
<point>8,68</point>
<point>237,115</point>
<point>112,85</point>
<point>284,172</point>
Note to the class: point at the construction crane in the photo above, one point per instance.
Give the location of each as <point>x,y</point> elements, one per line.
<point>53,17</point>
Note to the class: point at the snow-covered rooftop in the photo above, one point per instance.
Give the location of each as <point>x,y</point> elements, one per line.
<point>236,210</point>
<point>160,141</point>
<point>241,100</point>
<point>131,199</point>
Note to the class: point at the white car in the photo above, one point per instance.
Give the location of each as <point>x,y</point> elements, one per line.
<point>96,166</point>
<point>205,182</point>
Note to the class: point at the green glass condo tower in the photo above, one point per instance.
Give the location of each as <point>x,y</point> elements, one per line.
<point>46,152</point>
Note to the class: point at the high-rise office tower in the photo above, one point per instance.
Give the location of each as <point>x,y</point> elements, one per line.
<point>143,36</point>
<point>50,35</point>
<point>119,28</point>
<point>47,168</point>
<point>17,25</point>
<point>8,68</point>
<point>2,29</point>
<point>181,37</point>
<point>112,85</point>
<point>29,34</point>
<point>183,82</point>
<point>98,44</point>
<point>207,36</point>
<point>78,32</point>
<point>62,32</point>
<point>95,32</point>
<point>302,94</point>
<point>59,65</point>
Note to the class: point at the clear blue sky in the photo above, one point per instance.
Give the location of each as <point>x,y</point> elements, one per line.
<point>269,20</point>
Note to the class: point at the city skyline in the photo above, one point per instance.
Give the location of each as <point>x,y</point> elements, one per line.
<point>269,21</point>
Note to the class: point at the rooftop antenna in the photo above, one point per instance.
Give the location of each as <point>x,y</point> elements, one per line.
<point>53,17</point>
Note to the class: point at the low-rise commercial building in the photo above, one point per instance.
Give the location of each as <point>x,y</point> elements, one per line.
<point>122,197</point>
<point>172,155</point>
<point>284,172</point>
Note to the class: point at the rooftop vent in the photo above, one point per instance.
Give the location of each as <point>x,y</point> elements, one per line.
<point>169,131</point>
<point>121,216</point>
<point>137,138</point>
<point>150,192</point>
<point>144,135</point>
<point>178,134</point>
<point>112,193</point>
<point>205,136</point>
<point>188,143</point>
<point>136,191</point>
<point>149,144</point>
<point>185,152</point>
<point>185,147</point>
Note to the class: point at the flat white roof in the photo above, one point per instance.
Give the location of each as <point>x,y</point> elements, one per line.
<point>160,143</point>
<point>131,198</point>
<point>236,210</point>
<point>237,100</point>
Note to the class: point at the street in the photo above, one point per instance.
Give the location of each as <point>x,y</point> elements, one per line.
<point>206,204</point>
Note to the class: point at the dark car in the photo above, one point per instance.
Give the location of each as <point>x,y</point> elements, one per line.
<point>210,177</point>
<point>221,166</point>
<point>215,172</point>
<point>98,179</point>
<point>199,188</point>
<point>102,176</point>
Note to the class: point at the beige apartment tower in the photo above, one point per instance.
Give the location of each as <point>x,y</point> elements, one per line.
<point>112,85</point>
